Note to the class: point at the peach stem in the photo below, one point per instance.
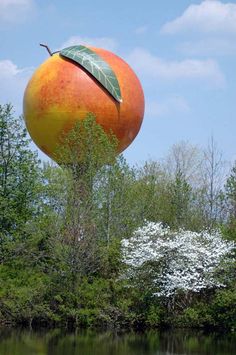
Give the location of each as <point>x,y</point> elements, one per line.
<point>48,49</point>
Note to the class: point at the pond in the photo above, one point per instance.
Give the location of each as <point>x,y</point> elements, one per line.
<point>58,342</point>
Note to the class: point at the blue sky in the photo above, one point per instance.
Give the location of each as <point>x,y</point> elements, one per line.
<point>184,53</point>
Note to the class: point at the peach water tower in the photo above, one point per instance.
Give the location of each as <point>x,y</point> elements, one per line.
<point>76,81</point>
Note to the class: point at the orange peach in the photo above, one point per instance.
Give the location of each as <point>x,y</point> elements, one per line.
<point>61,92</point>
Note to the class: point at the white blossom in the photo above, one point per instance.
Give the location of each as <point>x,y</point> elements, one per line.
<point>182,260</point>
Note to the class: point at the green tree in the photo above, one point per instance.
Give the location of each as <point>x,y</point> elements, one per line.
<point>212,178</point>
<point>85,151</point>
<point>114,203</point>
<point>180,200</point>
<point>183,167</point>
<point>149,191</point>
<point>230,197</point>
<point>231,192</point>
<point>19,179</point>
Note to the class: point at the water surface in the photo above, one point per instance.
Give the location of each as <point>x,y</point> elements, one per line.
<point>58,342</point>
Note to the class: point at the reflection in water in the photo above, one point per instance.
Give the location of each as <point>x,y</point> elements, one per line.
<point>57,342</point>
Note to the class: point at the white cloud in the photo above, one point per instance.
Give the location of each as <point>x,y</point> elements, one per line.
<point>15,10</point>
<point>101,42</point>
<point>7,68</point>
<point>189,69</point>
<point>211,16</point>
<point>13,82</point>
<point>167,107</point>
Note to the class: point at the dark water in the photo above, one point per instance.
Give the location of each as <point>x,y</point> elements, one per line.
<point>57,342</point>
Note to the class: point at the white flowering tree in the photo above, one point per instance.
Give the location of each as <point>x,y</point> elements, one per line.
<point>170,262</point>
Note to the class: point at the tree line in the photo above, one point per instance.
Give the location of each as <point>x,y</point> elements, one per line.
<point>92,241</point>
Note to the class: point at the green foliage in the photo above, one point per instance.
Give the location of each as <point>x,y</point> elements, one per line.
<point>223,308</point>
<point>61,229</point>
<point>180,192</point>
<point>86,148</point>
<point>197,316</point>
<point>155,315</point>
<point>22,294</point>
<point>217,311</point>
<point>19,174</point>
<point>230,196</point>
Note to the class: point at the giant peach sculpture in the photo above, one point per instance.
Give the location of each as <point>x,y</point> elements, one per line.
<point>76,81</point>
